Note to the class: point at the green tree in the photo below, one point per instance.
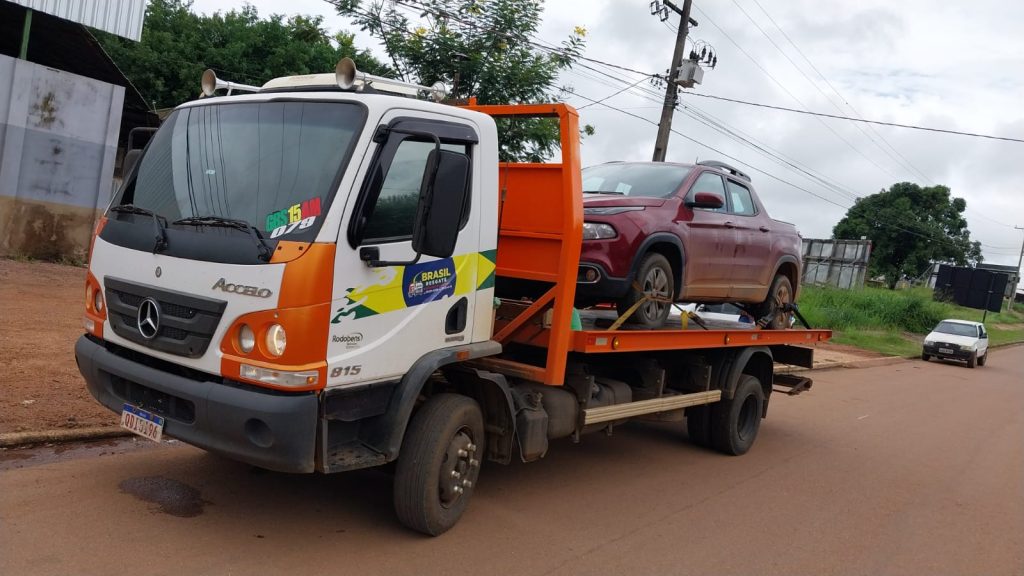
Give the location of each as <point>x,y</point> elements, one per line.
<point>910,227</point>
<point>480,48</point>
<point>178,44</point>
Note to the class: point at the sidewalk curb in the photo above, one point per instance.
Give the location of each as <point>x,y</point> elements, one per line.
<point>16,439</point>
<point>865,363</point>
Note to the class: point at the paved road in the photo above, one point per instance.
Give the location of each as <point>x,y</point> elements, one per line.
<point>915,468</point>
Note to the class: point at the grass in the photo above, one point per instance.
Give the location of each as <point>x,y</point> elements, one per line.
<point>895,321</point>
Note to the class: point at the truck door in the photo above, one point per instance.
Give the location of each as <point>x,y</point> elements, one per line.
<point>389,315</point>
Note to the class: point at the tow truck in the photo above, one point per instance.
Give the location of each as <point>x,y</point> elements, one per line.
<point>328,273</point>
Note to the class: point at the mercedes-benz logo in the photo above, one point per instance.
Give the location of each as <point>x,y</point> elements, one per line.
<point>149,318</point>
<point>158,272</point>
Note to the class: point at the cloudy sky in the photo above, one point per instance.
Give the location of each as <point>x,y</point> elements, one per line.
<point>956,66</point>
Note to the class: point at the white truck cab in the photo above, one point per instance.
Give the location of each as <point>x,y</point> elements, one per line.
<point>265,248</point>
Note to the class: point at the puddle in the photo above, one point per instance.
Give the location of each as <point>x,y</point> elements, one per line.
<point>173,497</point>
<point>14,458</point>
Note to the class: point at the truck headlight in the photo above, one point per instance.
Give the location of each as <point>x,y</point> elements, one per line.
<point>246,338</point>
<point>276,340</point>
<point>595,231</point>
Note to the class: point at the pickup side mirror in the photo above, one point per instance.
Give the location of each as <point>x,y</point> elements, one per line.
<point>442,199</point>
<point>706,200</point>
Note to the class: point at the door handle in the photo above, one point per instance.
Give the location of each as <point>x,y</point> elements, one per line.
<point>729,225</point>
<point>764,229</point>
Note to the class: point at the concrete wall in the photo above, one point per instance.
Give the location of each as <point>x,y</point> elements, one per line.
<point>58,141</point>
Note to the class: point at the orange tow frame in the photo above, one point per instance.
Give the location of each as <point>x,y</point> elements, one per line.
<point>540,234</point>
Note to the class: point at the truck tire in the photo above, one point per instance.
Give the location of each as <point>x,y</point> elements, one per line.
<point>735,422</point>
<point>973,360</point>
<point>780,293</point>
<point>439,463</point>
<point>925,357</point>
<point>654,275</point>
<point>983,358</point>
<point>698,425</point>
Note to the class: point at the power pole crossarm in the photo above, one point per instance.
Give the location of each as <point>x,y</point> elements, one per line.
<point>669,107</point>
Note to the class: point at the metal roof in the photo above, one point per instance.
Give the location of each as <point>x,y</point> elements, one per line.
<point>121,17</point>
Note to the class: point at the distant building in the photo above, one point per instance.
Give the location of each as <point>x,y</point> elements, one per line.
<point>65,109</point>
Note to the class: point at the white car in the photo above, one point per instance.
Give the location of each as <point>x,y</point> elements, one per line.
<point>957,340</point>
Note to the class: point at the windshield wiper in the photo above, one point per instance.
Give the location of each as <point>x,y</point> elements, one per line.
<point>211,220</point>
<point>604,192</point>
<point>158,227</point>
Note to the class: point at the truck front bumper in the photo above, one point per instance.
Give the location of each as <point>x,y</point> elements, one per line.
<point>269,429</point>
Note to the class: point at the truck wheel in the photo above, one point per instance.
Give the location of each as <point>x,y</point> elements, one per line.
<point>439,463</point>
<point>734,423</point>
<point>925,357</point>
<point>698,425</point>
<point>973,360</point>
<point>983,358</point>
<point>653,277</point>
<point>779,294</point>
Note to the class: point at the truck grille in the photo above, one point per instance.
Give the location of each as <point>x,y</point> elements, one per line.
<point>187,322</point>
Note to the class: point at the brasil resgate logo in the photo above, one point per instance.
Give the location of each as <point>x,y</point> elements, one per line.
<point>428,281</point>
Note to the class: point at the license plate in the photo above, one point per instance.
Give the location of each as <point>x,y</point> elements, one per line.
<point>142,423</point>
<point>945,351</point>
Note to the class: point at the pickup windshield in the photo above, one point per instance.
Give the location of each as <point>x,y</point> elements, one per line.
<point>273,165</point>
<point>627,179</point>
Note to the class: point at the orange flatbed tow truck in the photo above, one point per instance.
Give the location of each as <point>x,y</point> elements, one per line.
<point>411,301</point>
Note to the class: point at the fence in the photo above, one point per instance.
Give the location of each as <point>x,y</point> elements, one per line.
<point>839,263</point>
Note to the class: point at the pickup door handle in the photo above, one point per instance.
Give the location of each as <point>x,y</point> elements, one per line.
<point>764,229</point>
<point>729,225</point>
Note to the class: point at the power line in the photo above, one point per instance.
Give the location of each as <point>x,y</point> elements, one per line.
<point>822,92</point>
<point>791,95</point>
<point>834,89</point>
<point>635,85</point>
<point>879,122</point>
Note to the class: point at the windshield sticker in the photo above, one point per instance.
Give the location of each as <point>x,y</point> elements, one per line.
<point>428,281</point>
<point>296,217</point>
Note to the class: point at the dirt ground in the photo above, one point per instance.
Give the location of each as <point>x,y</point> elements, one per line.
<point>43,305</point>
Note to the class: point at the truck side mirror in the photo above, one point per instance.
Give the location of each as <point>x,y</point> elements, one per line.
<point>442,199</point>
<point>706,200</point>
<point>138,138</point>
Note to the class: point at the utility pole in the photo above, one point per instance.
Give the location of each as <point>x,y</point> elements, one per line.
<point>1013,293</point>
<point>671,88</point>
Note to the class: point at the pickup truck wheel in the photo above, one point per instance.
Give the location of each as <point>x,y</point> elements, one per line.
<point>654,277</point>
<point>925,357</point>
<point>439,463</point>
<point>779,294</point>
<point>983,358</point>
<point>973,360</point>
<point>734,423</point>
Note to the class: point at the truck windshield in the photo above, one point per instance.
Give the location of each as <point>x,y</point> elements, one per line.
<point>272,165</point>
<point>957,329</point>
<point>652,180</point>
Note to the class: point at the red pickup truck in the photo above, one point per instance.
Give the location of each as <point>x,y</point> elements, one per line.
<point>681,232</point>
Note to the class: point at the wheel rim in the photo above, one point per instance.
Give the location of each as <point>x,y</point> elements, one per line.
<point>746,425</point>
<point>458,468</point>
<point>780,299</point>
<point>656,286</point>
